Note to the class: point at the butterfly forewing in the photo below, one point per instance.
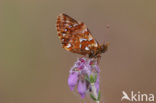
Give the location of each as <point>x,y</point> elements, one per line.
<point>75,36</point>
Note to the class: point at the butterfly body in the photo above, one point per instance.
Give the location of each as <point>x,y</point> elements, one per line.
<point>75,37</point>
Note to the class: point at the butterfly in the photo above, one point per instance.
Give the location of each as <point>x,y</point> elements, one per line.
<point>76,37</point>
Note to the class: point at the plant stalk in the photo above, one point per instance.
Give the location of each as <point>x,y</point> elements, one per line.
<point>94,91</point>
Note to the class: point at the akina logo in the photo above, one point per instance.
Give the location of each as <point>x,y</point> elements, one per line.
<point>137,97</point>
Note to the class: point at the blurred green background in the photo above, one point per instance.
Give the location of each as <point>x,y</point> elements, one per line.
<point>34,67</point>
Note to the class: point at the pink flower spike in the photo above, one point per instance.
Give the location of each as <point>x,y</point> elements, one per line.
<point>82,68</point>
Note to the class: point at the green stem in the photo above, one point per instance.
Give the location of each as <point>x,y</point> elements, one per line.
<point>94,91</point>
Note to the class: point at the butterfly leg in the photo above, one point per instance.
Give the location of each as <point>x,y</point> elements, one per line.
<point>98,59</point>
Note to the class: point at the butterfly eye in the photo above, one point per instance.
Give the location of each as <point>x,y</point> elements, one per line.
<point>103,48</point>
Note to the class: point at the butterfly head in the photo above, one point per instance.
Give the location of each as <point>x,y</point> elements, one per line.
<point>103,48</point>
<point>97,52</point>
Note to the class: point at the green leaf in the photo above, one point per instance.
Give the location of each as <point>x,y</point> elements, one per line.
<point>99,95</point>
<point>91,95</point>
<point>91,79</point>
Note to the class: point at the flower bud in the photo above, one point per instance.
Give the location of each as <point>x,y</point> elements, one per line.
<point>82,88</point>
<point>72,80</point>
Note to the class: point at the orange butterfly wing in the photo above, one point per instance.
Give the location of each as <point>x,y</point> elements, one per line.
<point>75,36</point>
